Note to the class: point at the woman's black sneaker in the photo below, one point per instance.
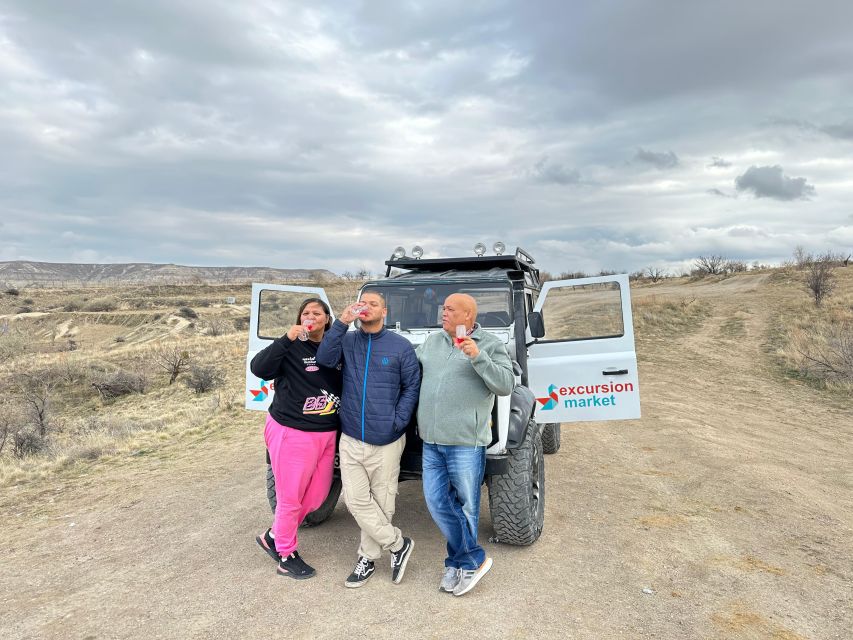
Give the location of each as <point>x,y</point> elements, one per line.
<point>364,568</point>
<point>293,566</point>
<point>267,543</point>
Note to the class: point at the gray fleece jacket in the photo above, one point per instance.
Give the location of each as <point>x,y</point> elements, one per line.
<point>457,392</point>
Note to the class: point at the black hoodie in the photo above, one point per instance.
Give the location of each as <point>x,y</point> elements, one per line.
<point>306,395</point>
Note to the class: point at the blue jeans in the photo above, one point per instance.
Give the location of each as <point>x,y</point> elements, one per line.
<point>452,477</point>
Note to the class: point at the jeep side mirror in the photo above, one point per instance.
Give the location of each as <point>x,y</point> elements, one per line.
<point>536,324</point>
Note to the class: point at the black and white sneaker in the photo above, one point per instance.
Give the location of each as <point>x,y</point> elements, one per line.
<point>364,568</point>
<point>399,560</point>
<point>267,543</point>
<point>293,566</point>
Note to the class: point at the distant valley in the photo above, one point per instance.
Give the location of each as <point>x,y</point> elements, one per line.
<point>23,273</point>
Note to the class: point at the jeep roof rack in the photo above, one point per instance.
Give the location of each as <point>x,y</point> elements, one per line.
<point>521,261</point>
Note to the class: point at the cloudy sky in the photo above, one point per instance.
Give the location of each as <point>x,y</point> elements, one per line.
<point>606,135</point>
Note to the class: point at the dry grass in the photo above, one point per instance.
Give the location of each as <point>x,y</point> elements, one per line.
<point>658,316</point>
<point>87,428</point>
<point>815,344</point>
<point>115,333</point>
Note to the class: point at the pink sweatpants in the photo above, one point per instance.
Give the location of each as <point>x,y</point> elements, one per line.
<point>302,464</point>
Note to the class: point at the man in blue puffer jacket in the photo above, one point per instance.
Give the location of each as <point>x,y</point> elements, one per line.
<point>381,385</point>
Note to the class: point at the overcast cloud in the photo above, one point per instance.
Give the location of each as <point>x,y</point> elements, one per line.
<point>292,134</point>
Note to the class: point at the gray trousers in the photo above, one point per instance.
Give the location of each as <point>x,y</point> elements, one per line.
<point>369,474</point>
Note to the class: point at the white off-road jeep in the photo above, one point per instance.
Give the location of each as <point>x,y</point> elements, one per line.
<point>571,342</point>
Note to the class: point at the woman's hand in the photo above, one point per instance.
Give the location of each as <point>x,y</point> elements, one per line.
<point>294,331</point>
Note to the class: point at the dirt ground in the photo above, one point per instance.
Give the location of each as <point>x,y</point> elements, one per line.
<point>726,512</point>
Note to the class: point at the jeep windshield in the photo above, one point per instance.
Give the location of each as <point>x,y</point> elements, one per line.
<point>418,306</point>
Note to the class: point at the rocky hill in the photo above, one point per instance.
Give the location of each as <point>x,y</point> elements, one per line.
<point>24,273</point>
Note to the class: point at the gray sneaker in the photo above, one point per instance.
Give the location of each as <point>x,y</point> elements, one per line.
<point>450,579</point>
<point>469,578</point>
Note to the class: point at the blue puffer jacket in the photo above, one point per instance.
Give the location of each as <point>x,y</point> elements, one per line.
<point>382,380</point>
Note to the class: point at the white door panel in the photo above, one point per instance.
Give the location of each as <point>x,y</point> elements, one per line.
<point>274,310</point>
<point>585,368</point>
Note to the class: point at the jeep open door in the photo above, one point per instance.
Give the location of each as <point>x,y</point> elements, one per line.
<point>585,367</point>
<point>274,309</point>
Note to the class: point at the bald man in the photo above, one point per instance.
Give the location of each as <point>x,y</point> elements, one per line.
<point>461,377</point>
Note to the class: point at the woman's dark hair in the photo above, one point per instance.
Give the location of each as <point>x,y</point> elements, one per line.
<point>308,301</point>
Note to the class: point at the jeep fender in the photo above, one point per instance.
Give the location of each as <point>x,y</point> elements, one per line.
<point>521,407</point>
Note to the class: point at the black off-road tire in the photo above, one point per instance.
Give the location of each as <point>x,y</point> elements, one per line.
<point>319,515</point>
<point>517,498</point>
<point>551,437</point>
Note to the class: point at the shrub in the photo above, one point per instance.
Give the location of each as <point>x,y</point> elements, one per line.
<point>735,266</point>
<point>14,343</point>
<point>120,383</point>
<point>27,443</point>
<point>828,353</point>
<point>242,323</point>
<point>204,378</point>
<point>74,304</point>
<point>101,304</point>
<point>12,291</point>
<point>819,278</point>
<point>216,326</point>
<point>8,425</point>
<point>187,312</point>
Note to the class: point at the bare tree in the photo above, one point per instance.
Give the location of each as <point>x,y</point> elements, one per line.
<point>711,265</point>
<point>35,389</point>
<point>655,274</point>
<point>801,258</point>
<point>7,427</point>
<point>735,266</point>
<point>216,326</point>
<point>820,279</point>
<point>174,359</point>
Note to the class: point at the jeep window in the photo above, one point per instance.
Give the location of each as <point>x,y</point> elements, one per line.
<point>418,306</point>
<point>277,311</point>
<point>583,311</point>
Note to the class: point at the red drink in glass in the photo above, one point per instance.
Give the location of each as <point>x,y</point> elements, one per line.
<point>461,333</point>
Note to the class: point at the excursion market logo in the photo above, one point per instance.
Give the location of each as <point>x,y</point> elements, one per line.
<point>260,394</point>
<point>590,395</point>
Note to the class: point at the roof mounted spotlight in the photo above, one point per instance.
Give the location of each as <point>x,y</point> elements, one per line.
<point>399,252</point>
<point>480,249</point>
<point>499,248</point>
<point>417,252</point>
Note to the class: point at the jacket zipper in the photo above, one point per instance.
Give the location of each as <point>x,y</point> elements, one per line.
<point>364,384</point>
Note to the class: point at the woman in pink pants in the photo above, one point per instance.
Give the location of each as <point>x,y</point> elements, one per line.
<point>300,432</point>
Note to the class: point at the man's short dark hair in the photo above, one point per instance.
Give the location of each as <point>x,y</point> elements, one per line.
<point>378,293</point>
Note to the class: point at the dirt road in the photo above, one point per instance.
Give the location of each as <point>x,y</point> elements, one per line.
<point>726,512</point>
